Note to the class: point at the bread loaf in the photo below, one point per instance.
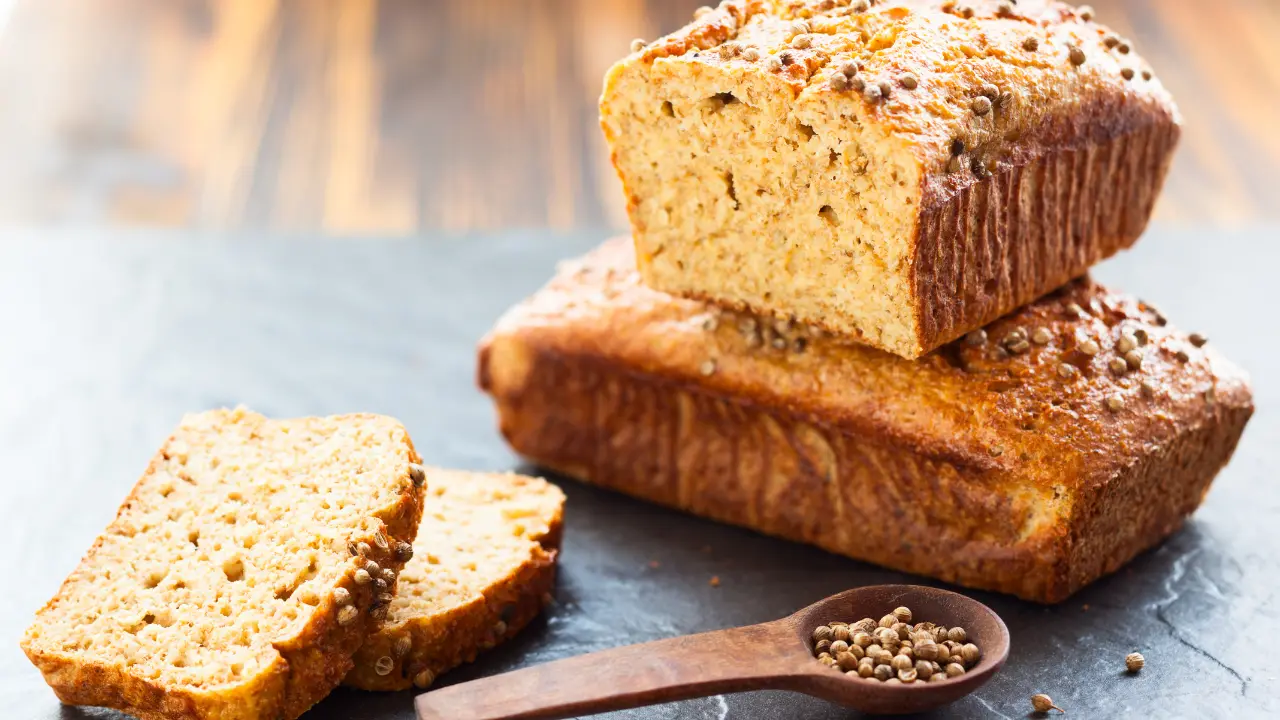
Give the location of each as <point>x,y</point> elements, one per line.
<point>483,567</point>
<point>1029,458</point>
<point>242,572</point>
<point>899,172</point>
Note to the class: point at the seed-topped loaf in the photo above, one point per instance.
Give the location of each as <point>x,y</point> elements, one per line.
<point>242,572</point>
<point>1031,457</point>
<point>483,567</point>
<point>898,172</point>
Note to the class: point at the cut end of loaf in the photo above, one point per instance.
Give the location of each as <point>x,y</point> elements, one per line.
<point>483,567</point>
<point>744,190</point>
<point>226,585</point>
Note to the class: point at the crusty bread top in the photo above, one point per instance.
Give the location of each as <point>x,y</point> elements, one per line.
<point>1034,408</point>
<point>1059,77</point>
<point>226,550</point>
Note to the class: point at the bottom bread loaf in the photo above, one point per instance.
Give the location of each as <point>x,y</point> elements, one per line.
<point>1031,457</point>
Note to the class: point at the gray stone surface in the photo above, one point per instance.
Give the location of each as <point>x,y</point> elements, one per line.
<point>105,342</point>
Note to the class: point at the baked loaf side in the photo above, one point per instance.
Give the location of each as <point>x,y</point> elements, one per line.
<point>1030,458</point>
<point>242,572</point>
<point>898,172</point>
<point>483,568</point>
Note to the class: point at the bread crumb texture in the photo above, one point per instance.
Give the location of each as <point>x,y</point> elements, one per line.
<point>899,172</point>
<point>224,586</point>
<point>483,566</point>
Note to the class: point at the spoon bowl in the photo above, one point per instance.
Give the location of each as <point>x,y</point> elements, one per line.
<point>774,655</point>
<point>982,627</point>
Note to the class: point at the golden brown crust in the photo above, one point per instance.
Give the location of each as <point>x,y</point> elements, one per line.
<point>986,247</point>
<point>310,664</point>
<point>1007,476</point>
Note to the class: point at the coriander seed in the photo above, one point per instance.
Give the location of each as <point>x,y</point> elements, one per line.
<point>887,621</point>
<point>1133,359</point>
<point>1041,336</point>
<point>937,677</point>
<point>847,661</point>
<point>975,338</point>
<point>839,646</point>
<point>1043,704</point>
<point>888,637</point>
<point>840,632</point>
<point>637,45</point>
<point>822,632</point>
<point>1115,402</point>
<point>347,614</point>
<point>901,662</point>
<point>838,82</point>
<point>1117,365</point>
<point>907,675</point>
<point>980,105</point>
<point>954,669</point>
<point>1133,662</point>
<point>882,672</point>
<point>909,81</point>
<point>1126,343</point>
<point>866,668</point>
<point>861,639</point>
<point>926,649</point>
<point>822,646</point>
<point>1090,347</point>
<point>956,634</point>
<point>750,54</point>
<point>1197,339</point>
<point>923,669</point>
<point>873,650</point>
<point>1076,56</point>
<point>970,654</point>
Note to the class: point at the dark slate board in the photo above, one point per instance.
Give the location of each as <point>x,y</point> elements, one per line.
<point>105,342</point>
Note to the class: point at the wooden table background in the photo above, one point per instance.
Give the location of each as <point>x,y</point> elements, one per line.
<point>402,116</point>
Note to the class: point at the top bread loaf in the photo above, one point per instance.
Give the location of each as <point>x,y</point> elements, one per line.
<point>897,172</point>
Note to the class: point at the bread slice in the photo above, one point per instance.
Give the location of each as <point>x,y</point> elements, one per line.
<point>242,572</point>
<point>483,567</point>
<point>1013,146</point>
<point>1030,458</point>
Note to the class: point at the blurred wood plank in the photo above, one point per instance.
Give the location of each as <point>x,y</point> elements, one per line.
<point>394,116</point>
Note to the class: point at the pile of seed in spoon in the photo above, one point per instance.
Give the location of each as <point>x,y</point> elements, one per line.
<point>894,650</point>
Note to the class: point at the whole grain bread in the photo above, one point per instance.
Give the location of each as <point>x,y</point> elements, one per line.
<point>483,567</point>
<point>242,572</point>
<point>1030,458</point>
<point>900,173</point>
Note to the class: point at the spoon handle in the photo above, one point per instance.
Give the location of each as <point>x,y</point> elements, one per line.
<point>744,658</point>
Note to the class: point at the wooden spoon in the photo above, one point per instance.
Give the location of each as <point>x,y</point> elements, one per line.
<point>775,655</point>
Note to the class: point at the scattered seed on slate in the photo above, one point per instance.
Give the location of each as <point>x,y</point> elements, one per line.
<point>1043,703</point>
<point>1133,662</point>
